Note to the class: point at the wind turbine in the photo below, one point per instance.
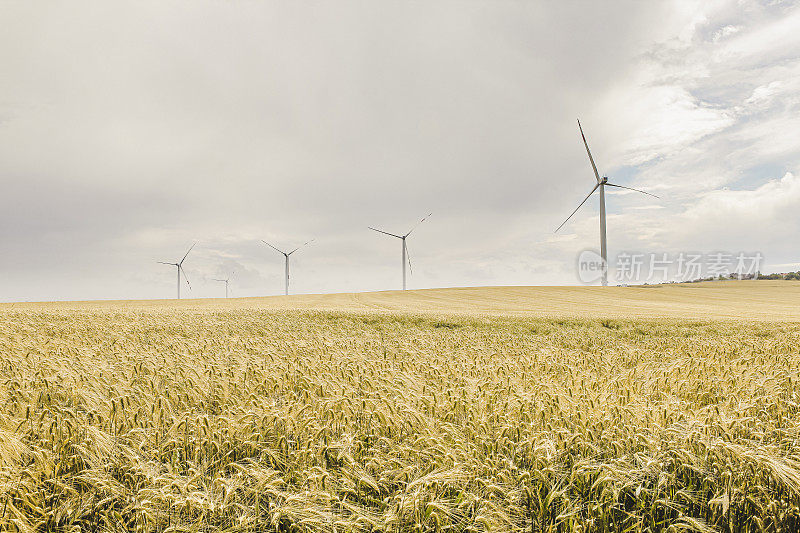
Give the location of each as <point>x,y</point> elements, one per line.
<point>286,255</point>
<point>601,184</point>
<point>179,267</point>
<point>225,281</point>
<point>405,257</point>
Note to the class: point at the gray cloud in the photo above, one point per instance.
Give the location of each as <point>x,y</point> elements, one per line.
<point>130,130</point>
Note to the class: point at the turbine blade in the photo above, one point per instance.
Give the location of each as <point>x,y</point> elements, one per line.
<point>215,279</point>
<point>385,232</point>
<point>187,253</point>
<point>185,276</point>
<point>418,223</point>
<point>576,209</point>
<point>268,244</point>
<point>305,243</point>
<point>632,189</point>
<point>163,263</point>
<point>408,258</point>
<point>596,175</point>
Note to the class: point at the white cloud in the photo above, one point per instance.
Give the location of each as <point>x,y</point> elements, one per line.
<point>763,218</point>
<point>648,207</point>
<point>771,203</point>
<point>725,31</point>
<point>660,120</point>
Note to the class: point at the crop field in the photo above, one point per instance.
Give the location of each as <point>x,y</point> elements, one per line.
<point>426,411</point>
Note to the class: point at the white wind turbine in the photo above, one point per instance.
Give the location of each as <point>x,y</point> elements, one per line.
<point>286,255</point>
<point>601,184</point>
<point>225,281</point>
<point>179,267</point>
<point>405,259</point>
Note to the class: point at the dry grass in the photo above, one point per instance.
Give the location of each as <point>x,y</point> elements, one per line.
<point>727,300</point>
<point>210,417</point>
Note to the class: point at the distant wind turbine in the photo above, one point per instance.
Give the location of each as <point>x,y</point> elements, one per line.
<point>179,267</point>
<point>225,281</point>
<point>405,259</point>
<point>286,255</point>
<point>601,184</point>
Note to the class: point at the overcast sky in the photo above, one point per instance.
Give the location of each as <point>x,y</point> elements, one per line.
<point>130,130</point>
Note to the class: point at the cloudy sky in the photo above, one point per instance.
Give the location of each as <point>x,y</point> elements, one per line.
<point>130,130</point>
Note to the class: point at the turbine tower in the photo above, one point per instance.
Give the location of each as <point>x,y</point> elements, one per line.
<point>601,184</point>
<point>404,258</point>
<point>179,267</point>
<point>286,255</point>
<point>225,281</point>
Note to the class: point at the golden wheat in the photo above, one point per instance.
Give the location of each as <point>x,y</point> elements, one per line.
<point>250,420</point>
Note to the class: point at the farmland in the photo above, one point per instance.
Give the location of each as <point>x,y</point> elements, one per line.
<point>505,409</point>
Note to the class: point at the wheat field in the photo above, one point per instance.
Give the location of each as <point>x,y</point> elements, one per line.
<point>508,409</point>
